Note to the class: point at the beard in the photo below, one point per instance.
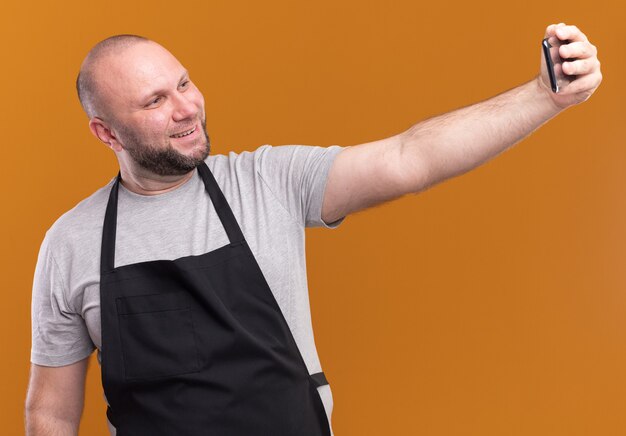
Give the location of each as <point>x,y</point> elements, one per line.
<point>163,161</point>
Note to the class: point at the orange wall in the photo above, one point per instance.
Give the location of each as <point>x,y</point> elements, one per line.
<point>493,304</point>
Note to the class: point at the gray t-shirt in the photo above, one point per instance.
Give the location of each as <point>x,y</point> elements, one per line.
<point>274,192</point>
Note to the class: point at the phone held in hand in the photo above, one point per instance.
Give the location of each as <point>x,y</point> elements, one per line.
<point>554,63</point>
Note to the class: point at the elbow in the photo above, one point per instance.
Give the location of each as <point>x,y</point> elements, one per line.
<point>40,421</point>
<point>414,170</point>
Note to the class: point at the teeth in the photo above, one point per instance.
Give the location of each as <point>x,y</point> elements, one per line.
<point>180,135</point>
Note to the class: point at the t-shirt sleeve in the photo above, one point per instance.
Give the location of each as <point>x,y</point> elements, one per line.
<point>297,176</point>
<point>59,334</point>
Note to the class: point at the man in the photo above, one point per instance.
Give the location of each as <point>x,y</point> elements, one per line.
<point>186,271</point>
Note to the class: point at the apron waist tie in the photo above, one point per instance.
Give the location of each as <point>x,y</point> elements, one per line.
<point>319,378</point>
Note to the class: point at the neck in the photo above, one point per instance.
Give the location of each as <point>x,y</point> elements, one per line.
<point>147,183</point>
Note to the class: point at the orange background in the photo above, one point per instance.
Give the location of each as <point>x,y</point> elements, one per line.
<point>493,304</point>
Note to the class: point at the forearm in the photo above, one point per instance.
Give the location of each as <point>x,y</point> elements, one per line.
<point>451,144</point>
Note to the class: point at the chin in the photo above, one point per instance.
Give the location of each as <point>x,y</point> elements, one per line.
<point>200,152</point>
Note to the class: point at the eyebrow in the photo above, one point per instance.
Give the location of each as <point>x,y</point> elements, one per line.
<point>161,91</point>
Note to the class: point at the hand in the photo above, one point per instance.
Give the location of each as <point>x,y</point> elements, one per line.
<point>585,69</point>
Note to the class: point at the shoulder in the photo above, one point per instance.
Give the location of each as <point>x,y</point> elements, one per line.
<point>236,161</point>
<point>82,223</point>
<point>267,158</point>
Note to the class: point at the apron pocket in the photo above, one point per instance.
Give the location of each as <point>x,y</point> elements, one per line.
<point>157,335</point>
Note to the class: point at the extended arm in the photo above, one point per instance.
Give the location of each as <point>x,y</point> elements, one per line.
<point>451,144</point>
<point>54,402</point>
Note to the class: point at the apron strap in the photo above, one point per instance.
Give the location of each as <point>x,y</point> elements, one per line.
<point>221,205</point>
<point>107,252</point>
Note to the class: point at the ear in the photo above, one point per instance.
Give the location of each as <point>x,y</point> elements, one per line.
<point>101,130</point>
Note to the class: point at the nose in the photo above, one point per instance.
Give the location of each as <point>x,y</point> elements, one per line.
<point>184,107</point>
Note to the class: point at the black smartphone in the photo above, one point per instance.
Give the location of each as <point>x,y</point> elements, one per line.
<point>554,63</point>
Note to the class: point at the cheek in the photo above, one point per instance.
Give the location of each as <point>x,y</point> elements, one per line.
<point>198,98</point>
<point>155,124</point>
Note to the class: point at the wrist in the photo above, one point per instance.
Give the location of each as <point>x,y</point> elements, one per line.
<point>544,97</point>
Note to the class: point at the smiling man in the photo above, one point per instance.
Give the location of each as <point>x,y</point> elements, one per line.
<point>186,272</point>
<point>148,137</point>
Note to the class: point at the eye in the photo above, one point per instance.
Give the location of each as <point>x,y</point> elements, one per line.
<point>185,84</point>
<point>155,101</point>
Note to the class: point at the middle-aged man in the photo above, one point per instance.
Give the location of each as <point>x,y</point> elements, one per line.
<point>187,271</point>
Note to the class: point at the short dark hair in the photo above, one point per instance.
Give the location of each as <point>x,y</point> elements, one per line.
<point>86,85</point>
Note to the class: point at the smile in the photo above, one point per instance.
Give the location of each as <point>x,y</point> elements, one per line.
<point>185,133</point>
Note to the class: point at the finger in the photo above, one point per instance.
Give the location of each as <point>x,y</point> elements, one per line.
<point>585,83</point>
<point>571,33</point>
<point>551,29</point>
<point>554,41</point>
<point>580,66</point>
<point>578,50</point>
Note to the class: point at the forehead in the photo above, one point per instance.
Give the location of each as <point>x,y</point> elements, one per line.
<point>137,71</point>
